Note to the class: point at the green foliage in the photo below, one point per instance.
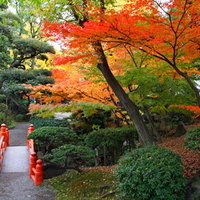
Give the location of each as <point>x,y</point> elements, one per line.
<point>113,140</point>
<point>151,173</point>
<point>87,185</point>
<point>47,110</point>
<point>15,91</point>
<point>87,115</point>
<point>12,27</point>
<point>111,137</point>
<point>49,137</point>
<point>89,109</point>
<point>9,17</point>
<point>20,118</point>
<point>192,139</point>
<point>70,155</point>
<point>179,111</point>
<point>2,98</point>
<point>41,122</point>
<point>6,117</point>
<point>81,128</point>
<point>4,53</point>
<point>155,87</point>
<point>29,76</point>
<point>3,107</point>
<point>2,118</point>
<point>26,46</point>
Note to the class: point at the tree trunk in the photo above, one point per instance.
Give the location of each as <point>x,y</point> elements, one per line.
<point>127,103</point>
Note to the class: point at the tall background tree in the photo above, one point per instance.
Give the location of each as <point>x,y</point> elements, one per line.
<point>17,50</point>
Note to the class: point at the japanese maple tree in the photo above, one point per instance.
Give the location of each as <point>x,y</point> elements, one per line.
<point>168,31</point>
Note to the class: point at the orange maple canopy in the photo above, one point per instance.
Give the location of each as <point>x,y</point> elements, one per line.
<point>159,29</point>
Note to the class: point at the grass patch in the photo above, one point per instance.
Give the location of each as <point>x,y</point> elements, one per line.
<point>86,185</point>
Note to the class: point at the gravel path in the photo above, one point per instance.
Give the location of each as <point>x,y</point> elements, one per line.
<point>18,185</point>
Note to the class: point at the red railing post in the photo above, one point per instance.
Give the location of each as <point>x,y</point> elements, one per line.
<point>39,174</point>
<point>36,168</point>
<point>33,159</point>
<point>30,129</point>
<point>4,142</point>
<point>7,137</point>
<point>4,135</point>
<point>3,130</point>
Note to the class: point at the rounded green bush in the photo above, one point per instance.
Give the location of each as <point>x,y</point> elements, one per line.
<point>116,141</point>
<point>50,137</point>
<point>192,139</point>
<point>68,154</point>
<point>151,173</point>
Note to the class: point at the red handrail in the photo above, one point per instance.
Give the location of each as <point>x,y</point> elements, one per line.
<point>35,167</point>
<point>4,142</point>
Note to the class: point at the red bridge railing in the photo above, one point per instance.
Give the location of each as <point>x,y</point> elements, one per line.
<point>35,166</point>
<point>4,142</point>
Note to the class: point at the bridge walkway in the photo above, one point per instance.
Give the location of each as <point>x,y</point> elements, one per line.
<point>15,183</point>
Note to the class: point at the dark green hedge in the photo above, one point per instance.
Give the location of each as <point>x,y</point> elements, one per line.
<point>40,122</point>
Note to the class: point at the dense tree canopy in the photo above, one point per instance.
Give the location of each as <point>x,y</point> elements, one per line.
<point>137,26</point>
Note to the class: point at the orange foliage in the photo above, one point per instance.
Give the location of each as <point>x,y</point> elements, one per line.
<point>71,86</point>
<point>169,31</point>
<point>194,109</point>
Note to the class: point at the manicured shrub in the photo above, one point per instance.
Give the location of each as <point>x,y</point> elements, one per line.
<point>192,139</point>
<point>47,138</point>
<point>71,155</point>
<point>151,173</point>
<point>40,122</point>
<point>112,142</point>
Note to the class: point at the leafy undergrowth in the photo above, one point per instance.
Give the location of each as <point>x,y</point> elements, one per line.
<point>100,183</point>
<point>190,159</point>
<point>91,184</point>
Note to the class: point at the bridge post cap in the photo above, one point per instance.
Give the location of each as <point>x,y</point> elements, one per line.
<point>33,154</point>
<point>39,161</point>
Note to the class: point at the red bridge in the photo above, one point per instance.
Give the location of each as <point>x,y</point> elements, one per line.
<point>20,158</point>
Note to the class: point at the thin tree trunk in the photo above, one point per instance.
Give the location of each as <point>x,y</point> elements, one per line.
<point>149,117</point>
<point>127,103</point>
<point>104,155</point>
